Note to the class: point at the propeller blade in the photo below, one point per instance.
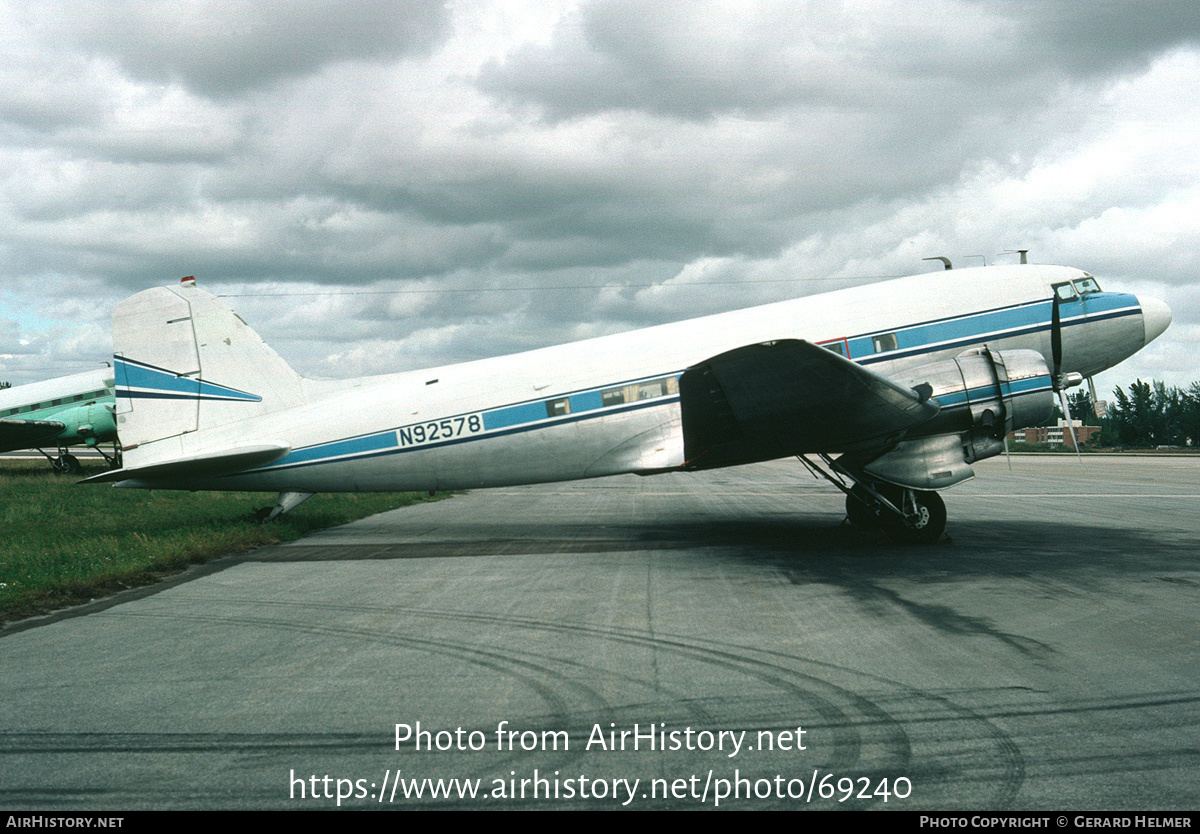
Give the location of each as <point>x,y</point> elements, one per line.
<point>1099,407</point>
<point>1059,380</point>
<point>1056,339</point>
<point>1062,395</point>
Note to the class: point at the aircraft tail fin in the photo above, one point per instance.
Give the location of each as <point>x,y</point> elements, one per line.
<point>186,363</point>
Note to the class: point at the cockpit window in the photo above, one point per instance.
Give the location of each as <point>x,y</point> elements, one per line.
<point>1086,284</point>
<point>1066,292</point>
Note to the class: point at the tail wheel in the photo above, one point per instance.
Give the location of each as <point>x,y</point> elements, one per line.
<point>924,520</point>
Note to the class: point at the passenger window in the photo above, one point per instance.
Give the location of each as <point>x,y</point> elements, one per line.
<point>559,407</point>
<point>612,396</point>
<point>884,342</point>
<point>650,390</point>
<point>838,346</point>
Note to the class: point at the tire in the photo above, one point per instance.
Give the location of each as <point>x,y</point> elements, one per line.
<point>68,465</point>
<point>926,528</point>
<point>861,509</point>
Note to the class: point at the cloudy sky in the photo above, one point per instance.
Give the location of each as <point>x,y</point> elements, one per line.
<point>392,185</point>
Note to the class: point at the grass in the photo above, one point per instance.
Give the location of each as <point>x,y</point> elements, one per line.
<point>63,544</point>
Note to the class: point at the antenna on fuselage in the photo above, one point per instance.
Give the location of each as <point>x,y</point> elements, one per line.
<point>941,258</point>
<point>1024,253</point>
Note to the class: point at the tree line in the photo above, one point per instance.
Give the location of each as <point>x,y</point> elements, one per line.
<point>1147,415</point>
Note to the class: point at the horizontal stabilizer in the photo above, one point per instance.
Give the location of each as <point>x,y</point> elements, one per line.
<point>27,434</point>
<point>211,464</point>
<point>789,397</point>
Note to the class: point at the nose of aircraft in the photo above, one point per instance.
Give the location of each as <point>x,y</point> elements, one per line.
<point>1156,316</point>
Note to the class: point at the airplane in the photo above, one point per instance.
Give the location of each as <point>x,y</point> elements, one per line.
<point>897,388</point>
<point>60,412</point>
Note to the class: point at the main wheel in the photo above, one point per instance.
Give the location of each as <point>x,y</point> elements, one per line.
<point>862,508</point>
<point>68,465</point>
<point>924,527</point>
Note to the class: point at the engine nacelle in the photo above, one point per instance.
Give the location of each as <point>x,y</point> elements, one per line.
<point>993,391</point>
<point>87,423</point>
<point>984,395</point>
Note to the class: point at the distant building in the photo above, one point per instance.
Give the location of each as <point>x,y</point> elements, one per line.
<point>1057,435</point>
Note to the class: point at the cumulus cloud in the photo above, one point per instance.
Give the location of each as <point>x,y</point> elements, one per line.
<point>225,47</point>
<point>386,185</point>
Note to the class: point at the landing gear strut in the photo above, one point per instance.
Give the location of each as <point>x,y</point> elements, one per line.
<point>113,461</point>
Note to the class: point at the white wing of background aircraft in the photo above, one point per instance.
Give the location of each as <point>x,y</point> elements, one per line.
<point>59,413</point>
<point>898,387</point>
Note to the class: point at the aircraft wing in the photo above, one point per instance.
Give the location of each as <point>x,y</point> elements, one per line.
<point>27,434</point>
<point>774,399</point>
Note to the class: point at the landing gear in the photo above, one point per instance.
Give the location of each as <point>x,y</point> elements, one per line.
<point>64,464</point>
<point>862,509</point>
<point>923,521</point>
<point>113,460</point>
<point>287,501</point>
<point>905,516</point>
<point>67,464</point>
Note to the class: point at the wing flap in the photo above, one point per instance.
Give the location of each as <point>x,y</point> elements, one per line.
<point>209,464</point>
<point>788,397</point>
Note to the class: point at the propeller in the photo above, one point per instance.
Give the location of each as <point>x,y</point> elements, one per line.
<point>1058,380</point>
<point>1100,407</point>
<point>1056,335</point>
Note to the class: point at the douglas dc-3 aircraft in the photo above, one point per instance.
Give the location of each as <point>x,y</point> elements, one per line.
<point>59,413</point>
<point>898,387</point>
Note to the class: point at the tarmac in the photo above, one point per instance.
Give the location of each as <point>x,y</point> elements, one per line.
<point>682,641</point>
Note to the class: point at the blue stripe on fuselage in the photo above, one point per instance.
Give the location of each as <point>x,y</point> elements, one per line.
<point>384,443</point>
<point>989,325</point>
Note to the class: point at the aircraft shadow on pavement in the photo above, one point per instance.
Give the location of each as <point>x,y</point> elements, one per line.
<point>808,546</point>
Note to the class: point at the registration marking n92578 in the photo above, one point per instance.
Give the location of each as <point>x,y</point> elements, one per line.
<point>433,431</point>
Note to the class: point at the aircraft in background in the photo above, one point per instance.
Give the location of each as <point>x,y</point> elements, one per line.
<point>896,387</point>
<point>60,413</point>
